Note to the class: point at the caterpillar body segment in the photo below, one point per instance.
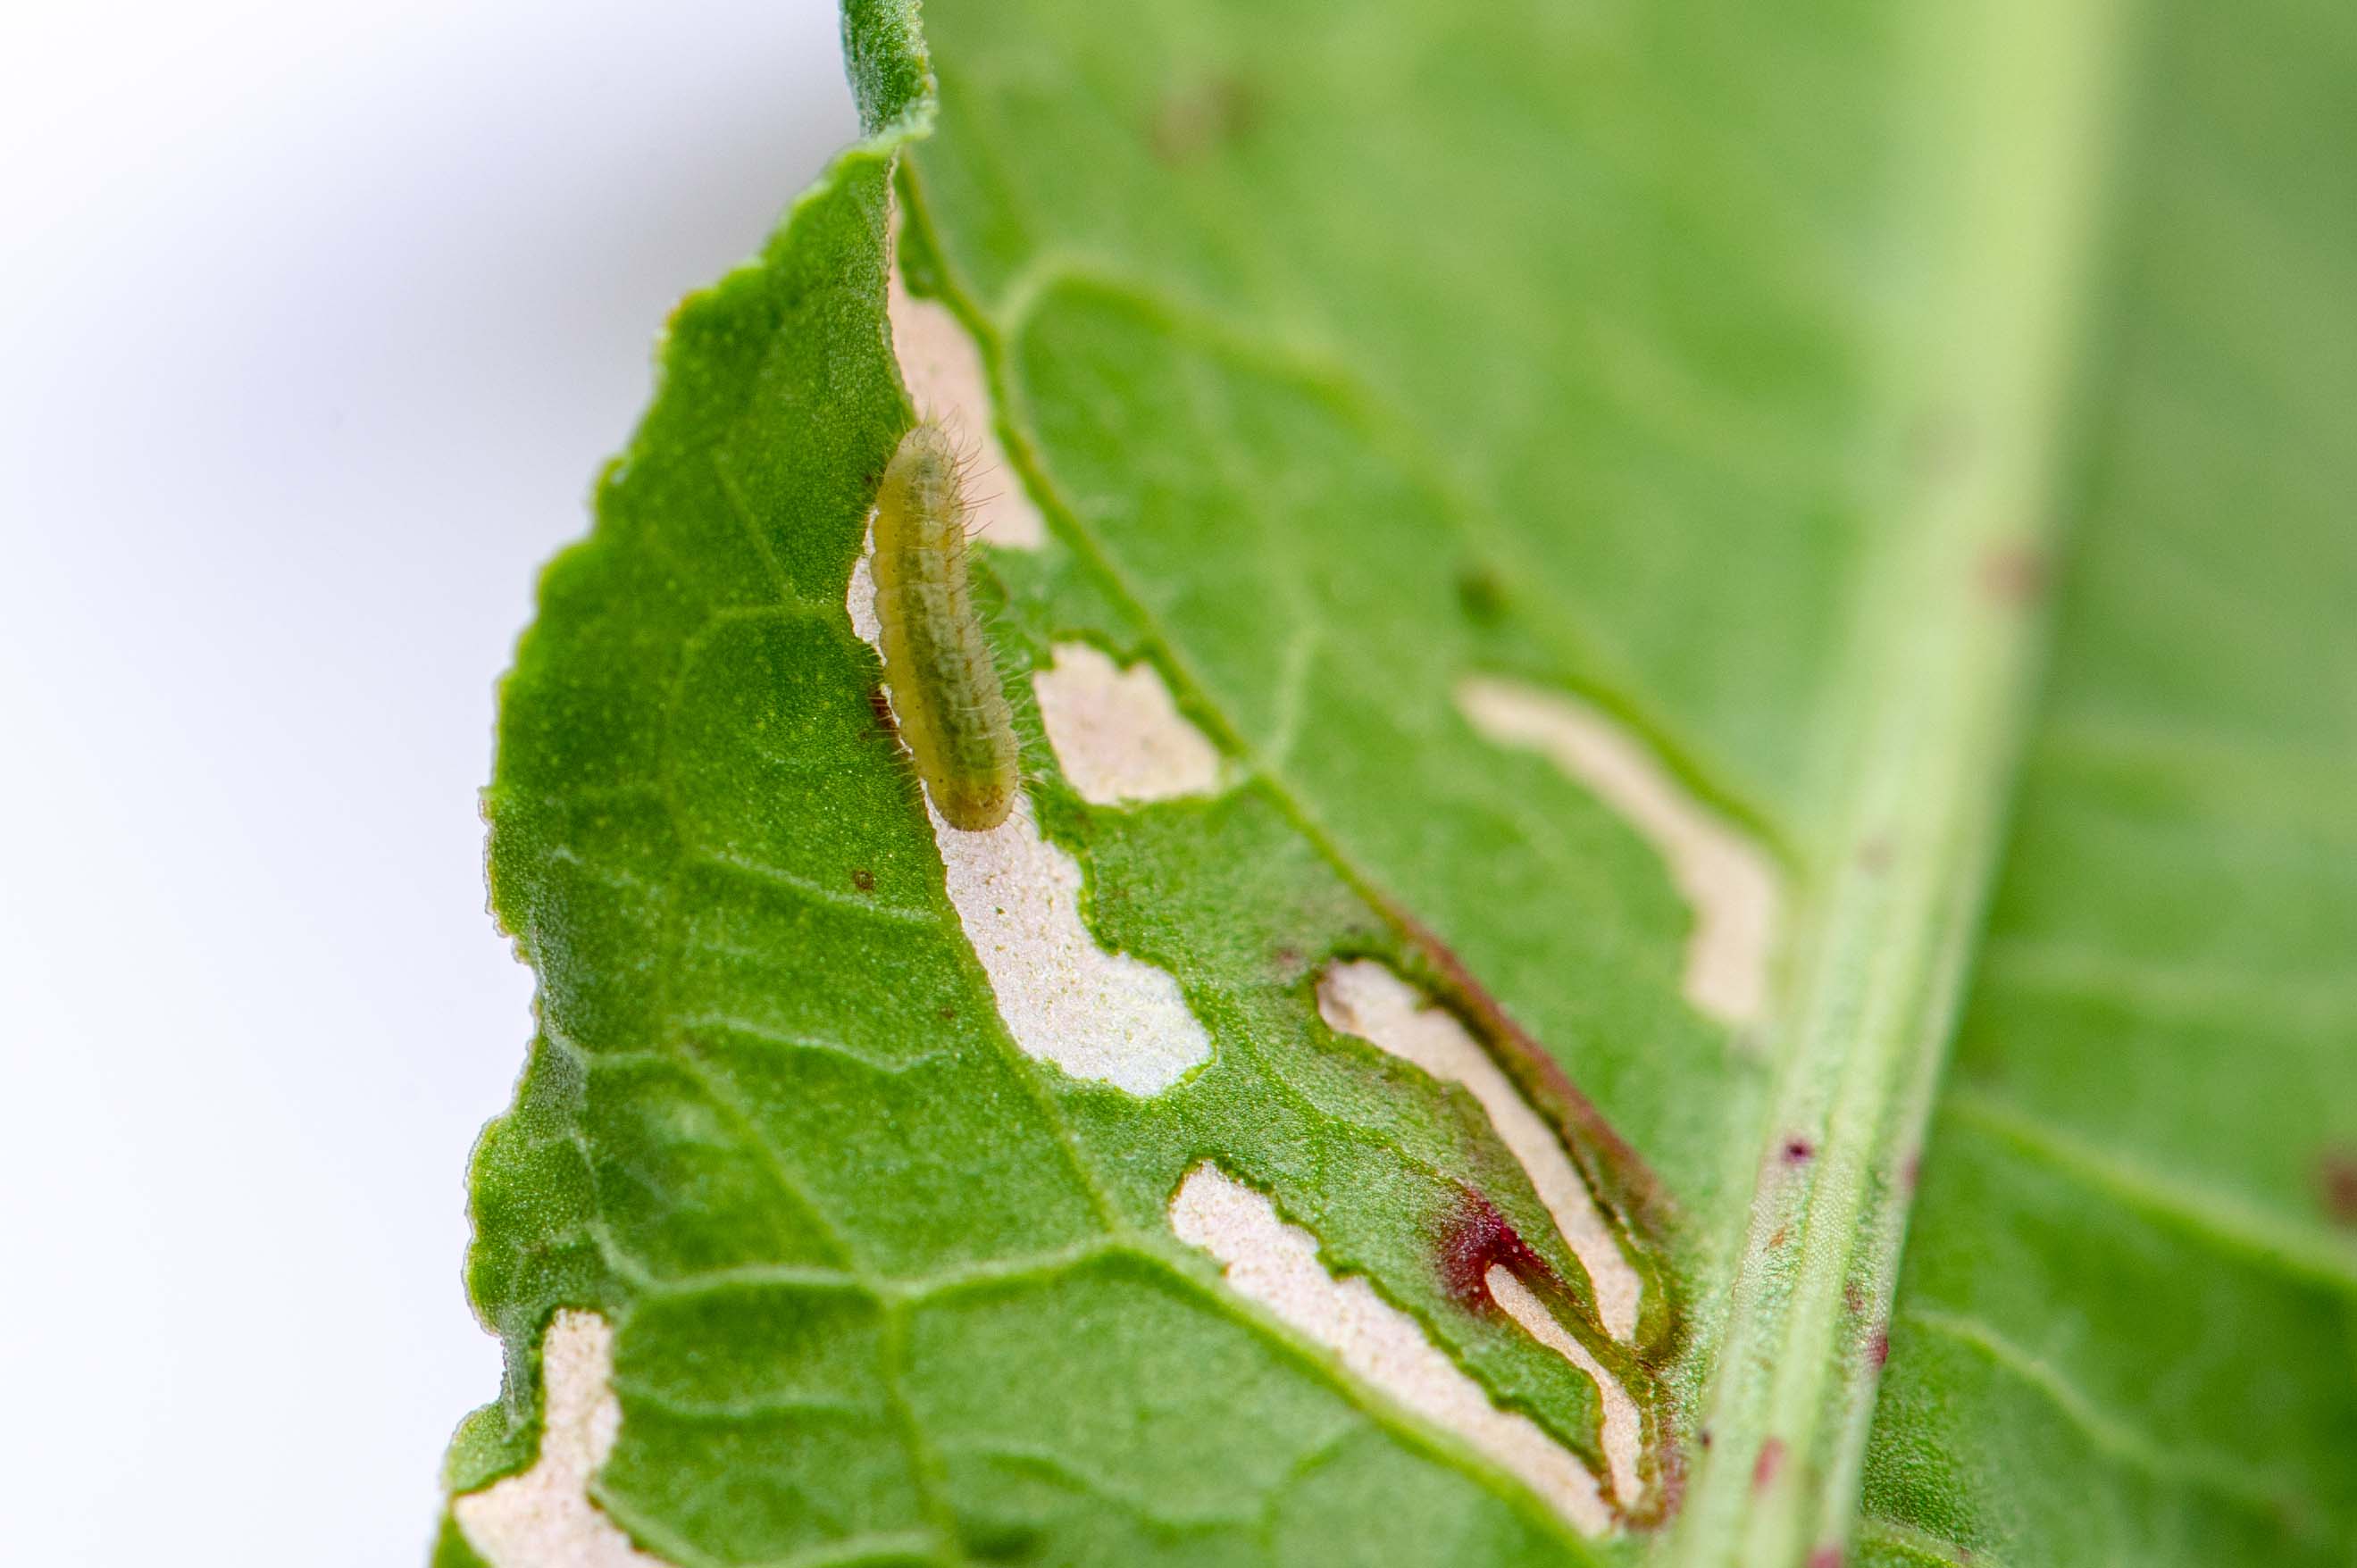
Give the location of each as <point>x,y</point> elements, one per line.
<point>946,691</point>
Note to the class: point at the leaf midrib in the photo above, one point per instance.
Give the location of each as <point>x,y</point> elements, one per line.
<point>1989,330</point>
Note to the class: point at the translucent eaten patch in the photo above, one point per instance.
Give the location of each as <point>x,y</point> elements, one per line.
<point>1365,999</point>
<point>543,1517</point>
<point>1118,738</point>
<point>943,370</point>
<point>1276,1264</point>
<point>1096,1014</point>
<point>1726,880</point>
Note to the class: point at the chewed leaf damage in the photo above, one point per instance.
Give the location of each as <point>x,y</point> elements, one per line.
<point>1118,738</point>
<point>1366,999</point>
<point>944,376</point>
<point>543,1517</point>
<point>1729,881</point>
<point>1276,1265</point>
<point>1065,999</point>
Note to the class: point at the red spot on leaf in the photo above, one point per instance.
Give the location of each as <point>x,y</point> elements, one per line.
<point>1473,1239</point>
<point>1197,119</point>
<point>2336,1182</point>
<point>1668,1487</point>
<point>1940,443</point>
<point>1783,1234</point>
<point>1799,1151</point>
<point>1769,1465</point>
<point>1878,1349</point>
<point>1825,1557</point>
<point>2013,574</point>
<point>1911,1172</point>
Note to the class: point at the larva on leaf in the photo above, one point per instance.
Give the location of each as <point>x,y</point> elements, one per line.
<point>946,687</point>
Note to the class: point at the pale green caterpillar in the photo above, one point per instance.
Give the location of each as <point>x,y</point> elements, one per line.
<point>946,688</point>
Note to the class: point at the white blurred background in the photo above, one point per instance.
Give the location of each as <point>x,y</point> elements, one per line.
<point>316,322</point>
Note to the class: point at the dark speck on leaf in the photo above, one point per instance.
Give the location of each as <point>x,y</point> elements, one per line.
<point>2336,1180</point>
<point>1940,444</point>
<point>863,879</point>
<point>1194,120</point>
<point>1481,595</point>
<point>1798,1151</point>
<point>2013,574</point>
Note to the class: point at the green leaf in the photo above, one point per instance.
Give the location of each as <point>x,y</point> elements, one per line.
<point>1549,510</point>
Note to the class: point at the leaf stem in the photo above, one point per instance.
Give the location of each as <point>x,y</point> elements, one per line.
<point>1995,177</point>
